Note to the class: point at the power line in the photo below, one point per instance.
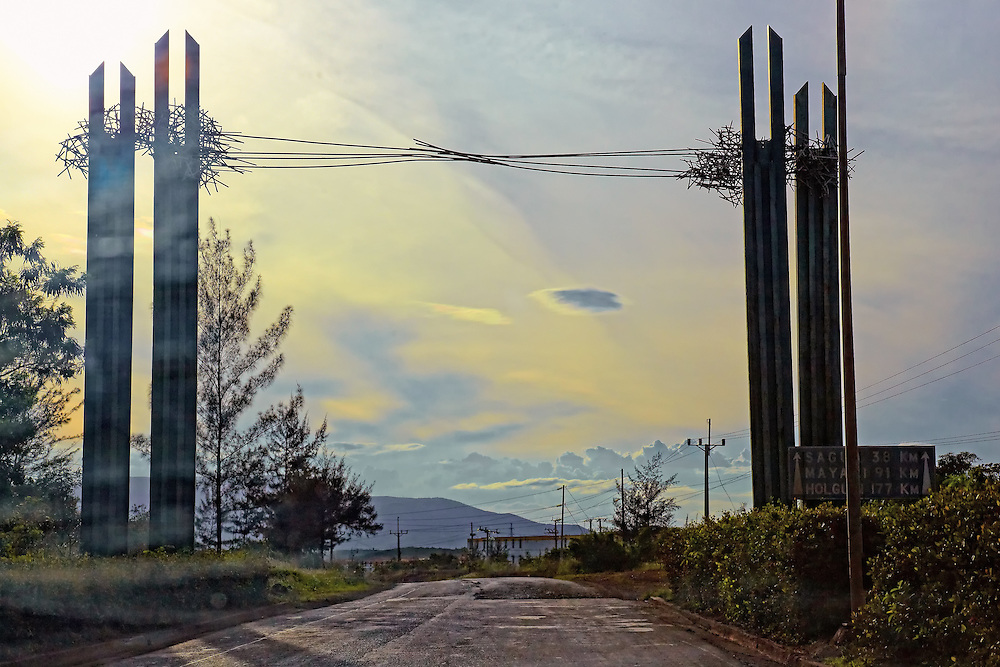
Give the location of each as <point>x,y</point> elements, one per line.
<point>941,354</point>
<point>719,476</point>
<point>562,163</point>
<point>924,384</point>
<point>746,432</point>
<point>930,370</point>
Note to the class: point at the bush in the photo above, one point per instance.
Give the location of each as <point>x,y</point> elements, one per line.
<point>935,596</point>
<point>781,572</point>
<point>37,524</point>
<point>601,552</point>
<point>151,589</point>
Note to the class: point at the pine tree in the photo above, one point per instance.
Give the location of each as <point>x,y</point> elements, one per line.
<point>232,369</point>
<point>289,442</point>
<point>322,505</point>
<point>287,445</point>
<point>644,500</point>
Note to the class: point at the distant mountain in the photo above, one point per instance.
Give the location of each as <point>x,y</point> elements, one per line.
<point>428,522</point>
<point>439,522</point>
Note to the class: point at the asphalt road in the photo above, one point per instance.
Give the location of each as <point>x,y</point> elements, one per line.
<point>506,621</point>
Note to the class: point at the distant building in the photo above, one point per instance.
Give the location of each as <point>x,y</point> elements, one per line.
<point>516,547</point>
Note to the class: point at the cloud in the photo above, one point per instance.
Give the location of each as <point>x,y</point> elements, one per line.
<point>405,447</point>
<point>479,315</point>
<point>582,486</point>
<point>580,301</point>
<point>477,436</point>
<point>356,449</point>
<point>347,446</point>
<point>743,459</point>
<point>532,488</point>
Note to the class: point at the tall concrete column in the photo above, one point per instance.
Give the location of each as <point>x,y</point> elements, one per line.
<point>818,260</point>
<point>176,178</point>
<point>108,342</point>
<point>765,225</point>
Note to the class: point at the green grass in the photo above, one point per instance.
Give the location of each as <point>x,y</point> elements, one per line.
<point>290,584</point>
<point>47,603</point>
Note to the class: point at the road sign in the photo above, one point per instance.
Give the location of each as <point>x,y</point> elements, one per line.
<point>820,473</point>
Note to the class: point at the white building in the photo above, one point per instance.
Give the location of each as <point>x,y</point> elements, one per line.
<point>516,547</point>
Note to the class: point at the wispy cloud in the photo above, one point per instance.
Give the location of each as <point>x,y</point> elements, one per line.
<point>403,447</point>
<point>579,301</point>
<point>581,486</point>
<point>465,314</point>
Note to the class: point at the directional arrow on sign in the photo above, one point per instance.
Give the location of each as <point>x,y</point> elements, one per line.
<point>796,475</point>
<point>926,486</point>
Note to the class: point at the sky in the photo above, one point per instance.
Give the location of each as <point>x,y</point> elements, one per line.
<point>489,335</point>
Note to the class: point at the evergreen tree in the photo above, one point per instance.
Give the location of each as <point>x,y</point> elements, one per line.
<point>289,443</point>
<point>286,446</point>
<point>644,501</point>
<point>232,369</point>
<point>321,505</point>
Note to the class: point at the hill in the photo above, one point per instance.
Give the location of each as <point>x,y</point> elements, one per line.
<point>428,522</point>
<point>440,522</point>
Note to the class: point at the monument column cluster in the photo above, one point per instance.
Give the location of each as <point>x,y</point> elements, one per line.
<point>765,219</point>
<point>108,345</point>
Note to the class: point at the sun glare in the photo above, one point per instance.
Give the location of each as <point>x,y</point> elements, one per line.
<point>60,42</point>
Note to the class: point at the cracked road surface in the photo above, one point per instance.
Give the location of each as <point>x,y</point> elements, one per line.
<point>504,621</point>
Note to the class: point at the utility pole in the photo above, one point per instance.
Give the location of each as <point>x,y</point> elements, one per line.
<point>600,528</point>
<point>707,448</point>
<point>854,535</point>
<point>562,518</point>
<point>398,533</point>
<point>488,531</point>
<point>623,505</point>
<point>554,531</point>
<point>591,525</point>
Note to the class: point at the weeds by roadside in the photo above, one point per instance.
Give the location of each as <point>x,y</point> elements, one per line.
<point>52,602</point>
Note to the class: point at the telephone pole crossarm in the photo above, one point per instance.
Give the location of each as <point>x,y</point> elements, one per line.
<point>488,531</point>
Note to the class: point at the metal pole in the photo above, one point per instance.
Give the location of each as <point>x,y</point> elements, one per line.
<point>854,534</point>
<point>623,504</point>
<point>708,448</point>
<point>562,519</point>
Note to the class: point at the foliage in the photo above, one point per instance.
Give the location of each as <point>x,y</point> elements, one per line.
<point>287,583</point>
<point>287,446</point>
<point>935,596</point>
<point>289,442</point>
<point>37,355</point>
<point>933,572</point>
<point>957,463</point>
<point>961,468</point>
<point>777,571</point>
<point>645,505</point>
<point>47,602</point>
<point>149,589</point>
<point>232,369</point>
<point>601,552</point>
<point>138,528</point>
<point>322,504</point>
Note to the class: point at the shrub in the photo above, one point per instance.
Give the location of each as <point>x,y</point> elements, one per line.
<point>781,572</point>
<point>935,596</point>
<point>150,589</point>
<point>600,552</point>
